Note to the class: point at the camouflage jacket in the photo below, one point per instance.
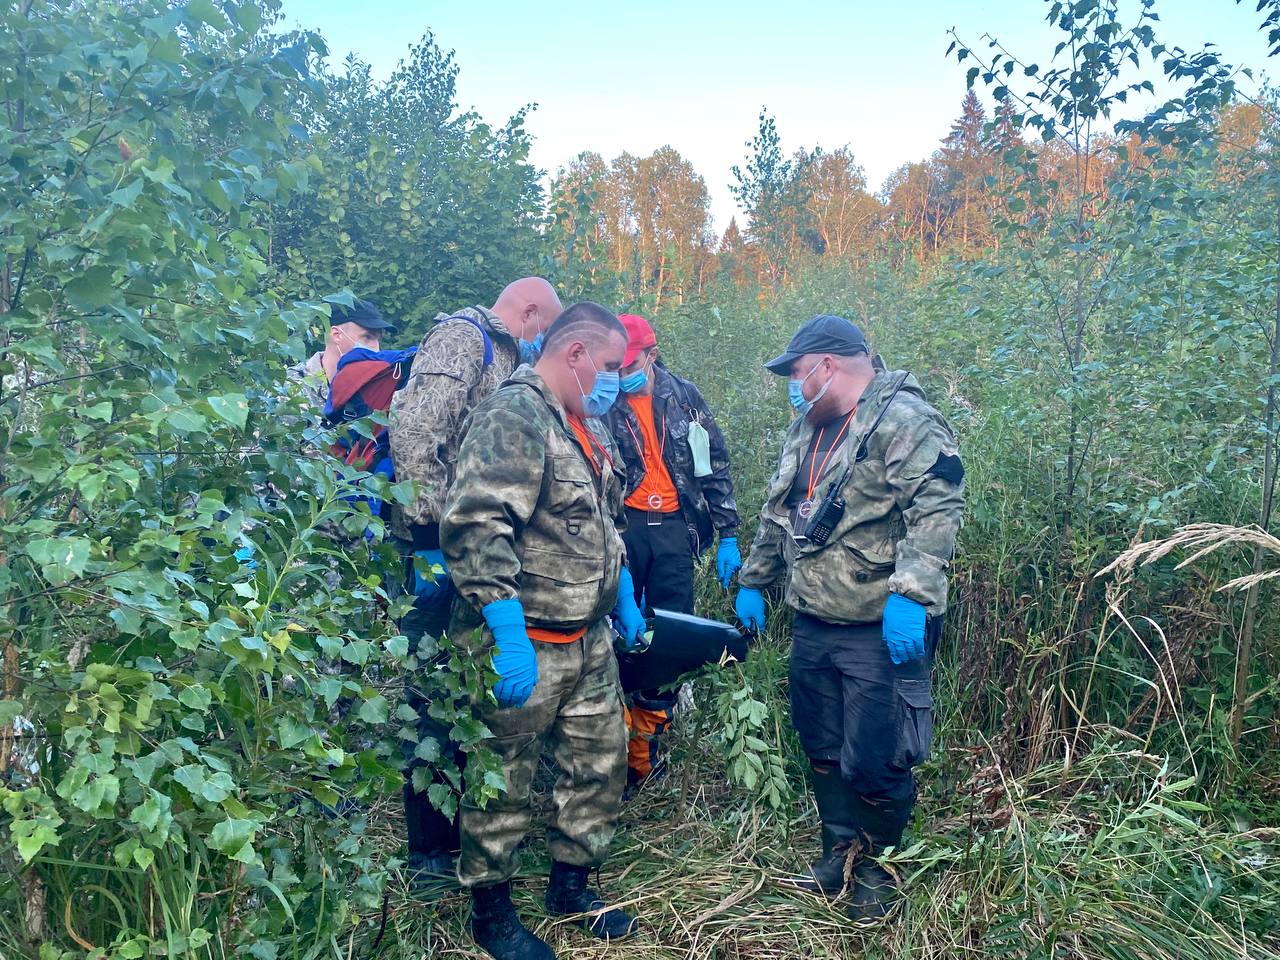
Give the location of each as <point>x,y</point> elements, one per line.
<point>448,378</point>
<point>527,515</point>
<point>707,503</point>
<point>314,382</point>
<point>905,498</point>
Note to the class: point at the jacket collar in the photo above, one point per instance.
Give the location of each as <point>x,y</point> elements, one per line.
<point>528,376</point>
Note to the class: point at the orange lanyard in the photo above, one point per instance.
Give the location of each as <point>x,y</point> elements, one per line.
<point>815,475</point>
<point>582,433</point>
<point>662,443</point>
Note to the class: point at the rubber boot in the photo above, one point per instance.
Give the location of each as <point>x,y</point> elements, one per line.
<point>431,874</point>
<point>568,894</point>
<point>875,889</point>
<point>836,808</point>
<point>430,864</point>
<point>498,931</point>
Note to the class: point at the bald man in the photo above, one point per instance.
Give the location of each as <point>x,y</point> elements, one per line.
<point>462,359</point>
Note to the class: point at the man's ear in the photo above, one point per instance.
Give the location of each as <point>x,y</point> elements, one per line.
<point>575,352</point>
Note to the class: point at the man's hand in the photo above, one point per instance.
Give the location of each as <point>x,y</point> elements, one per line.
<point>514,660</point>
<point>750,608</point>
<point>728,560</point>
<point>627,617</point>
<point>904,621</point>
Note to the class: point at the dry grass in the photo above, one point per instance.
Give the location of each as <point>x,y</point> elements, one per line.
<point>1105,857</point>
<point>1201,539</point>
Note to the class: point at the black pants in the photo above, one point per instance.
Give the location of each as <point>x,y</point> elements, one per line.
<point>660,560</point>
<point>854,709</point>
<point>430,832</point>
<point>661,564</point>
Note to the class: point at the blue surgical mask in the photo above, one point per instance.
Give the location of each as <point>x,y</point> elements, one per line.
<point>603,392</point>
<point>530,350</point>
<point>635,381</point>
<point>795,391</point>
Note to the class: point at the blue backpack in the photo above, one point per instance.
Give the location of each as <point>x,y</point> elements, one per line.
<point>364,383</point>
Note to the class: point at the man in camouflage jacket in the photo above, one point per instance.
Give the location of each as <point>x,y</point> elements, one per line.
<point>461,360</point>
<point>530,531</point>
<point>868,597</point>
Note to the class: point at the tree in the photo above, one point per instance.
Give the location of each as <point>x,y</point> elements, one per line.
<point>418,207</point>
<point>771,190</point>
<point>965,161</point>
<point>841,211</point>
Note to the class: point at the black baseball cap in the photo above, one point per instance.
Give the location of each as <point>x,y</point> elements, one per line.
<point>362,312</point>
<point>822,334</point>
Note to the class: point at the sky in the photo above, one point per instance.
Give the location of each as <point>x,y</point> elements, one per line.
<point>694,74</point>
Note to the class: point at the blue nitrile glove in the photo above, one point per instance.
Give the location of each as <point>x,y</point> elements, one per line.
<point>728,560</point>
<point>627,617</point>
<point>750,608</point>
<point>903,628</point>
<point>433,560</point>
<point>514,661</point>
<point>245,555</point>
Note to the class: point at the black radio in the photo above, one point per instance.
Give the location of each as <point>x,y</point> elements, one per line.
<point>827,517</point>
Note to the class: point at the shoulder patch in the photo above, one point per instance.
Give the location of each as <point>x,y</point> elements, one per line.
<point>948,467</point>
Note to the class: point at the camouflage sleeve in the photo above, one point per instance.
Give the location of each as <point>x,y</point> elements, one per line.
<point>496,489</point>
<point>717,486</point>
<point>426,416</point>
<point>765,564</point>
<point>922,464</point>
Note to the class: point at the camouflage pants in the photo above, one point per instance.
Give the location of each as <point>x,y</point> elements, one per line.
<point>576,711</point>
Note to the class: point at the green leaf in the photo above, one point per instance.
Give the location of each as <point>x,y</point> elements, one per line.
<point>91,289</point>
<point>292,732</point>
<point>374,710</point>
<point>61,559</point>
<point>231,407</point>
<point>232,834</point>
<point>204,11</point>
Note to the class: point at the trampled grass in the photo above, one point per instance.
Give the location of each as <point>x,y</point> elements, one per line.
<point>1109,856</point>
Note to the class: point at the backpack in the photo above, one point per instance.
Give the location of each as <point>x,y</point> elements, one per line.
<point>363,384</point>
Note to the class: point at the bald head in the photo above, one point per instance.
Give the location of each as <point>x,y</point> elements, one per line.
<point>527,307</point>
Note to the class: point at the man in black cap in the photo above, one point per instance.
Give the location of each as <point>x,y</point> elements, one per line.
<point>359,325</point>
<point>860,520</point>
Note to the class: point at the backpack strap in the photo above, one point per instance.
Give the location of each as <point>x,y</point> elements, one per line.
<point>488,341</point>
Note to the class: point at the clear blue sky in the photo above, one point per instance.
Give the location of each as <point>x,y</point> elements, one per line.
<point>611,77</point>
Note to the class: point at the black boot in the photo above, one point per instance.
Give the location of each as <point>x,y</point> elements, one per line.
<point>498,930</point>
<point>431,874</point>
<point>836,808</point>
<point>875,889</point>
<point>568,894</point>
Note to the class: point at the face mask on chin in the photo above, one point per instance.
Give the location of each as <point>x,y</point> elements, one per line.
<point>795,391</point>
<point>530,350</point>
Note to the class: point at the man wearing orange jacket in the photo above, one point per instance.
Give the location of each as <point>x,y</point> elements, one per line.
<point>679,498</point>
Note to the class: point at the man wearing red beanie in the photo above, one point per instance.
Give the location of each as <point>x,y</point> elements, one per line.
<point>679,498</point>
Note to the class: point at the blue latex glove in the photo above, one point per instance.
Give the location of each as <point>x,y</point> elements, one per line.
<point>750,608</point>
<point>433,560</point>
<point>514,661</point>
<point>627,617</point>
<point>728,560</point>
<point>903,628</point>
<point>245,555</point>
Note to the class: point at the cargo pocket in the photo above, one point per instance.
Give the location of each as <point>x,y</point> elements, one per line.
<point>914,722</point>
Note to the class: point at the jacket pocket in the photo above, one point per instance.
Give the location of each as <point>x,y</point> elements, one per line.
<point>871,560</point>
<point>914,705</point>
<point>557,587</point>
